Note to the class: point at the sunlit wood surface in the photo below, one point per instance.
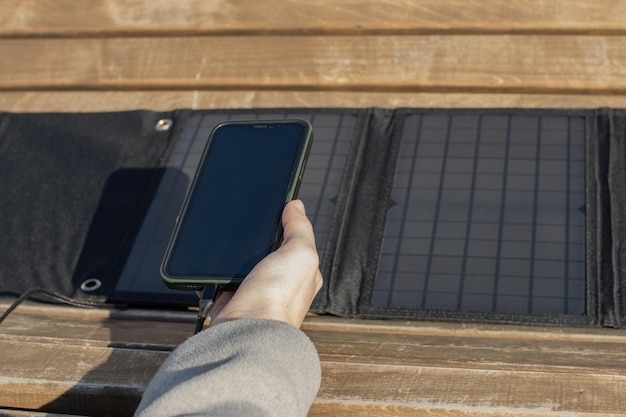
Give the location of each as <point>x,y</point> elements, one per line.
<point>422,53</point>
<point>97,363</point>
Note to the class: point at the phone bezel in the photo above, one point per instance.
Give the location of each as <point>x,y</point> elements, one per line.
<point>196,282</point>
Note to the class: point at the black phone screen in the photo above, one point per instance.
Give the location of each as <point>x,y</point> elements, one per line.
<point>232,216</point>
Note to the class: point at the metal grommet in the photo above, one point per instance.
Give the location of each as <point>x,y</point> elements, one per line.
<point>90,284</point>
<point>163,125</point>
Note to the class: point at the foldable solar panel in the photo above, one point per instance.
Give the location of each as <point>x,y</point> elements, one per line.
<point>503,215</point>
<point>487,214</point>
<point>333,132</point>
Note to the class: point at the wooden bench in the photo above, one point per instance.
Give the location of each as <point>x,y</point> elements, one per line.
<point>61,55</point>
<point>97,363</point>
<point>108,55</point>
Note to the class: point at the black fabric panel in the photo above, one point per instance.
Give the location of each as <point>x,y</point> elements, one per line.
<point>600,275</point>
<point>593,189</point>
<point>365,197</point>
<point>338,288</point>
<point>617,189</point>
<point>74,187</point>
<point>358,259</point>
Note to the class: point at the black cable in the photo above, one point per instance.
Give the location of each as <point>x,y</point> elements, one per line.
<point>52,294</point>
<point>206,302</point>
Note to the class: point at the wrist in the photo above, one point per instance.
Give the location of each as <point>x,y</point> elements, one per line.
<point>259,312</point>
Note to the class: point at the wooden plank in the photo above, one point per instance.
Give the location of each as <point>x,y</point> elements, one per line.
<point>323,408</point>
<point>172,327</point>
<point>19,413</point>
<point>143,17</point>
<point>133,334</point>
<point>495,349</point>
<point>100,327</point>
<point>378,367</point>
<point>74,379</point>
<point>444,64</point>
<point>426,349</point>
<point>98,101</point>
<point>470,352</point>
<point>464,329</point>
<point>473,389</point>
<point>63,310</point>
<point>104,327</point>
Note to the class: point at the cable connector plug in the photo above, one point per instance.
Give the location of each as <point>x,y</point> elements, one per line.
<point>206,302</point>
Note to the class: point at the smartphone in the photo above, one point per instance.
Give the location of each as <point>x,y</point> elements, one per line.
<point>231,216</point>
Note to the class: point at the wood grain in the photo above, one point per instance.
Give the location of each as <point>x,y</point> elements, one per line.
<point>444,64</point>
<point>94,101</point>
<point>132,331</point>
<point>19,413</point>
<point>411,346</point>
<point>74,379</point>
<point>68,18</point>
<point>372,367</point>
<point>473,388</point>
<point>360,409</point>
<point>470,352</point>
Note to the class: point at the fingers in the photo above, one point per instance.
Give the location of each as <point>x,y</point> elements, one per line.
<point>283,285</point>
<point>221,300</point>
<point>298,237</point>
<point>296,224</point>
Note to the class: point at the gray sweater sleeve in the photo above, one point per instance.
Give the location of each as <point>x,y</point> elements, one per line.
<point>247,367</point>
